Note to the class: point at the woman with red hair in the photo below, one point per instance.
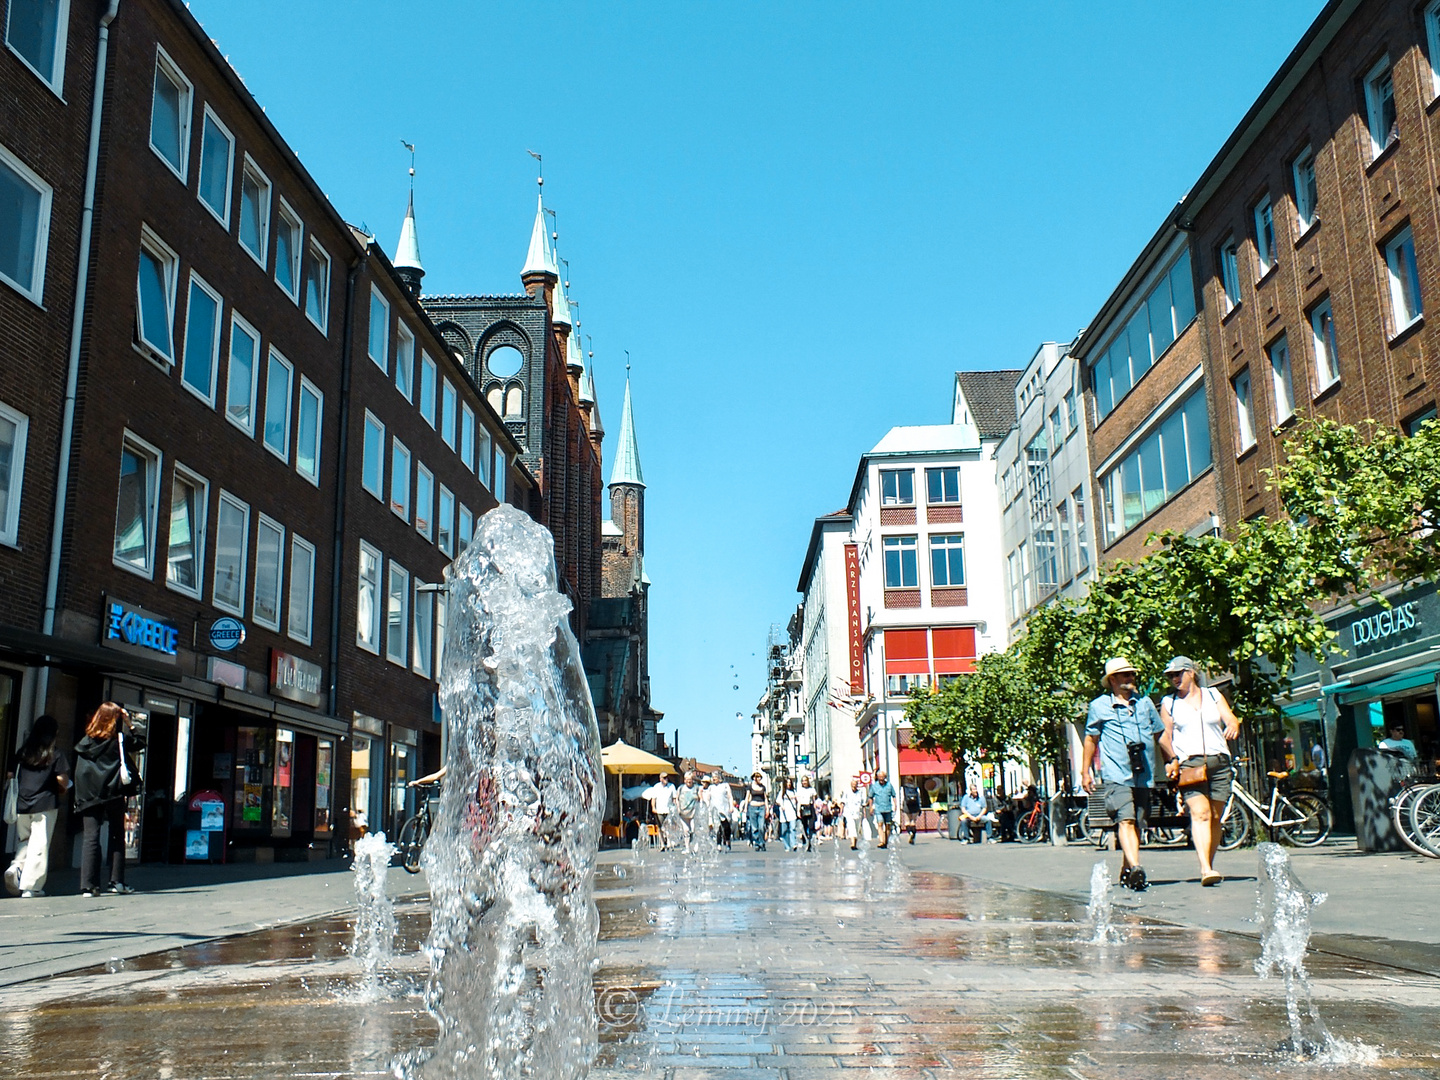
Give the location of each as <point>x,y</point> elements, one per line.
<point>104,777</point>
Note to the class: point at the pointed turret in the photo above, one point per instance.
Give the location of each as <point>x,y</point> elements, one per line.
<point>587,384</point>
<point>627,452</point>
<point>407,252</point>
<point>540,267</point>
<point>560,313</point>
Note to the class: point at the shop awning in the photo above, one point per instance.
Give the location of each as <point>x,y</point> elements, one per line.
<point>925,763</point>
<point>1353,694</point>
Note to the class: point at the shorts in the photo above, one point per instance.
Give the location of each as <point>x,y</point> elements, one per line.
<point>1217,785</point>
<point>912,808</point>
<point>887,817</point>
<point>1126,803</point>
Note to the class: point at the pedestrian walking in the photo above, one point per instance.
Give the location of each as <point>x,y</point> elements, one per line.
<point>787,813</point>
<point>661,797</point>
<point>806,798</point>
<point>105,775</point>
<point>756,810</point>
<point>722,807</point>
<point>882,801</point>
<point>1201,726</point>
<point>1121,727</point>
<point>42,774</point>
<point>910,807</point>
<point>687,802</point>
<point>855,803</point>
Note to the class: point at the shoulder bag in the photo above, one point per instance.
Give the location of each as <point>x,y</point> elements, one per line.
<point>1195,775</point>
<point>12,800</point>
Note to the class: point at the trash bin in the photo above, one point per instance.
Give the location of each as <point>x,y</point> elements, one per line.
<point>952,823</point>
<point>1376,775</point>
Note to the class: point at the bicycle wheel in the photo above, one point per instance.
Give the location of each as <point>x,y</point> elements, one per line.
<point>1316,826</point>
<point>1091,834</point>
<point>1424,819</point>
<point>1236,827</point>
<point>1030,828</point>
<point>411,844</point>
<point>1400,817</point>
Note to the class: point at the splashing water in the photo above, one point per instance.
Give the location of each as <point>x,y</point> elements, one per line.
<point>511,860</point>
<point>373,945</point>
<point>1100,912</point>
<point>897,878</point>
<point>1283,911</point>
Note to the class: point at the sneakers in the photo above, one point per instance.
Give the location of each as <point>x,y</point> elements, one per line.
<point>12,880</point>
<point>119,888</point>
<point>29,893</point>
<point>89,894</point>
<point>1133,878</point>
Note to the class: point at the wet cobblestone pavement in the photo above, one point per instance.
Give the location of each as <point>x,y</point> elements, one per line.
<point>755,965</point>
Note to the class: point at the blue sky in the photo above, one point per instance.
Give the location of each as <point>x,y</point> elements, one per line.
<point>800,218</point>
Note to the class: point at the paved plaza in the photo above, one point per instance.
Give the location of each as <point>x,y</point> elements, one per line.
<point>934,961</point>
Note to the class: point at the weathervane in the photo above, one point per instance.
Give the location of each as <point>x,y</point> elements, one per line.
<point>541,178</point>
<point>411,147</point>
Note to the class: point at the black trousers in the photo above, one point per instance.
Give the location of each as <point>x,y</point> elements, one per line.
<point>722,834</point>
<point>93,818</point>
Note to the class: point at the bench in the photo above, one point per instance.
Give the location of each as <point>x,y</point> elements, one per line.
<point>1165,813</point>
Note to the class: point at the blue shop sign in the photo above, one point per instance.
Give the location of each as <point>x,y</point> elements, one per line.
<point>133,629</point>
<point>226,634</point>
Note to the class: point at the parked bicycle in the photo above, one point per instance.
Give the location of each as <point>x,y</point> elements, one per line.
<point>411,843</point>
<point>1303,819</point>
<point>1033,825</point>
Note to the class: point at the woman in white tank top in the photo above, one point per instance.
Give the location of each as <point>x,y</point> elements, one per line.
<point>1201,725</point>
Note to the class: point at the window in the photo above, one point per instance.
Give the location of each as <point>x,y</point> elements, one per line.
<point>900,563</point>
<point>302,590</point>
<point>185,555</point>
<point>942,485</point>
<point>202,340</point>
<point>1167,310</point>
<point>35,31</point>
<point>1072,412</point>
<point>1432,37</point>
<point>1415,423</point>
<point>170,115</point>
<point>1175,452</point>
<point>427,389</point>
<point>897,487</point>
<point>287,251</point>
<point>1244,410</point>
<point>466,527</point>
<point>277,405</point>
<point>424,501</point>
<point>1279,353</point>
<point>269,567</point>
<point>400,480</point>
<point>1380,107</point>
<point>317,285</point>
<point>405,362</point>
<point>372,468</point>
<point>424,630</point>
<point>155,296</point>
<point>24,226</point>
<point>397,608</point>
<point>1264,235</point>
<point>502,466</point>
<point>445,530</point>
<point>137,506</point>
<point>1404,280</point>
<point>379,330</point>
<point>482,460</point>
<point>240,382</point>
<point>367,607</point>
<point>1012,570</point>
<point>947,560</point>
<point>1229,259</point>
<point>442,626</point>
<point>1067,557</point>
<point>467,437</point>
<point>309,424</point>
<point>14,430</point>
<point>1303,170</point>
<point>447,413</point>
<point>232,529</point>
<point>1082,545</point>
<point>254,211</point>
<point>217,166</point>
<point>1327,354</point>
<point>1057,429</point>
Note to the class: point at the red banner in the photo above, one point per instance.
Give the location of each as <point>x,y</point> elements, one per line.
<point>852,603</point>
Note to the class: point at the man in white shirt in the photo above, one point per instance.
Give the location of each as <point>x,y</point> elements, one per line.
<point>722,809</point>
<point>661,797</point>
<point>856,800</point>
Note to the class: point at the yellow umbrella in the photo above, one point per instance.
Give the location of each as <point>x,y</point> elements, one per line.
<point>622,758</point>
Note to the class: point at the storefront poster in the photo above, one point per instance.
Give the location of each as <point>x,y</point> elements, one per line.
<point>197,844</point>
<point>254,795</point>
<point>212,816</point>
<point>223,766</point>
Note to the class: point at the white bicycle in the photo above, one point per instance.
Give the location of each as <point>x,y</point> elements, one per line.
<point>1301,819</point>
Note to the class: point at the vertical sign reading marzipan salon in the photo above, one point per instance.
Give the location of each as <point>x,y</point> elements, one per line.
<point>852,604</point>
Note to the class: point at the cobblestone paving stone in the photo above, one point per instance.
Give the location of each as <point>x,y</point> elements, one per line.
<point>769,965</point>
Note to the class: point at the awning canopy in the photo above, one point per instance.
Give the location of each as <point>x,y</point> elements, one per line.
<point>1354,694</point>
<point>621,757</point>
<point>925,763</point>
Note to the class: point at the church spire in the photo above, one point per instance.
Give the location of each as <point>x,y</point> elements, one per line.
<point>540,260</point>
<point>627,453</point>
<point>407,252</point>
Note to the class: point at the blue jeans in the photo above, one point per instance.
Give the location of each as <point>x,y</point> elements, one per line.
<point>787,835</point>
<point>756,821</point>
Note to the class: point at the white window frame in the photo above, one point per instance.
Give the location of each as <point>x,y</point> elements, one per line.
<point>445,522</point>
<point>187,111</point>
<point>267,190</point>
<point>170,262</point>
<point>1327,360</point>
<point>9,536</point>
<point>370,644</point>
<point>290,220</point>
<point>222,214</point>
<point>422,619</point>
<point>467,436</point>
<point>484,459</point>
<point>308,387</point>
<point>397,450</point>
<point>373,423</point>
<point>1432,39</point>
<point>427,399</point>
<point>502,467</point>
<point>403,657</point>
<point>945,546</point>
<point>215,598</point>
<point>404,361</point>
<point>39,257</point>
<point>383,360</point>
<point>1229,257</point>
<point>1265,241</point>
<point>237,318</point>
<point>1282,382</point>
<point>263,522</point>
<point>1401,318</point>
<point>199,529</point>
<point>308,596</point>
<point>1374,111</point>
<point>154,469</point>
<point>205,287</point>
<point>1244,410</point>
<point>449,403</point>
<point>463,541</point>
<point>1305,213</point>
<point>314,247</point>
<point>62,27</point>
<point>283,453</point>
<point>424,525</point>
<point>442,627</point>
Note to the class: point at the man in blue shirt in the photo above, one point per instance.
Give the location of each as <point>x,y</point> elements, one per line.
<point>975,811</point>
<point>882,801</point>
<point>1122,725</point>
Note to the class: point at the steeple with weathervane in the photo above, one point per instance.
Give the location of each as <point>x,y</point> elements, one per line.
<point>407,252</point>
